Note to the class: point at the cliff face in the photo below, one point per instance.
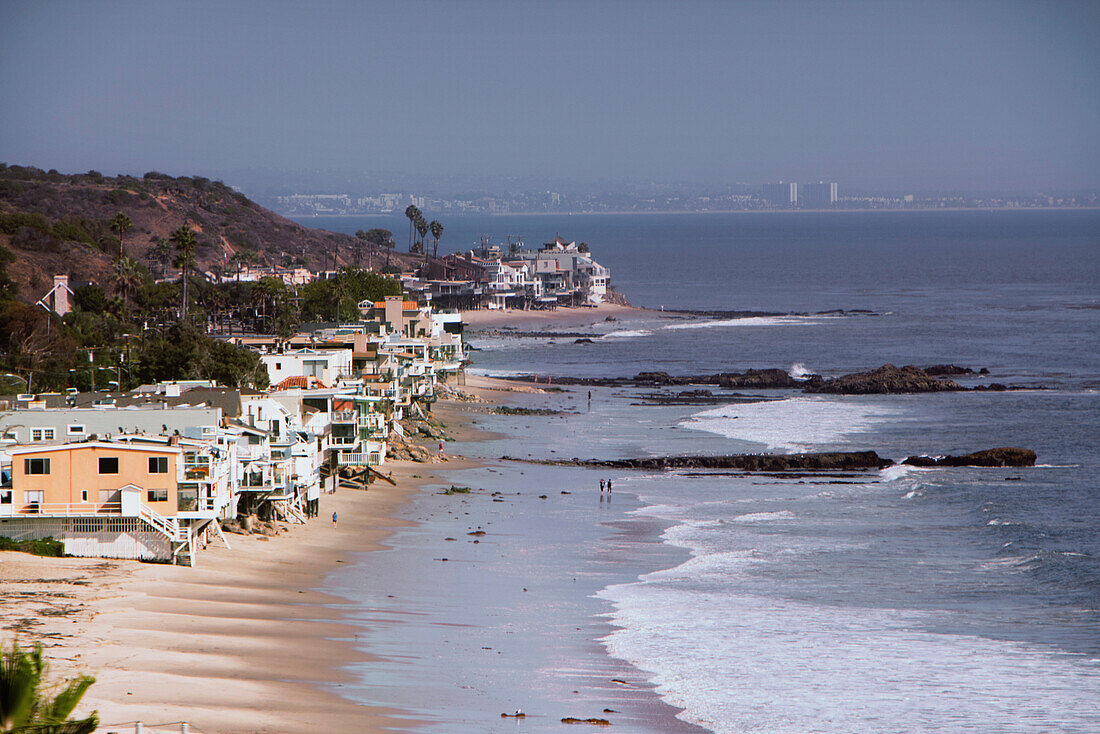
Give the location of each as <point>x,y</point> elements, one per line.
<point>57,223</point>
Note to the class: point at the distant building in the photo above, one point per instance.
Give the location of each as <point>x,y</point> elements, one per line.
<point>817,195</point>
<point>781,194</point>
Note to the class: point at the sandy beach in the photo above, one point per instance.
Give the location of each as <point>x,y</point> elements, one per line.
<point>240,643</point>
<point>246,641</point>
<point>243,642</point>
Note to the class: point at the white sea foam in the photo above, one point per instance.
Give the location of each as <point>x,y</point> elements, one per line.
<point>764,516</point>
<point>756,321</point>
<point>799,371</point>
<point>627,334</point>
<point>999,521</point>
<point>794,424</point>
<point>745,663</point>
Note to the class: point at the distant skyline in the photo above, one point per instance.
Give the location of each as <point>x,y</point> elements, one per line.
<point>967,96</point>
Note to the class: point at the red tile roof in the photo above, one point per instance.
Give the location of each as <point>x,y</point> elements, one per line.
<point>305,383</point>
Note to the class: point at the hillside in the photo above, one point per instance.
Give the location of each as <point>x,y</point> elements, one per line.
<point>57,223</point>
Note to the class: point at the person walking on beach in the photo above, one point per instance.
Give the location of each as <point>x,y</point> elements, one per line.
<point>441,448</point>
<point>334,519</point>
<point>601,488</point>
<point>609,486</point>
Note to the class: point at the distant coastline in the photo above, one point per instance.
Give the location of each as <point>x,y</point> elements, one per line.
<point>378,215</point>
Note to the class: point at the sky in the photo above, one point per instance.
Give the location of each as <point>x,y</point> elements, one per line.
<point>959,95</point>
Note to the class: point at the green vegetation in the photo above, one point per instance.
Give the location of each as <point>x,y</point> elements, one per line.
<point>44,547</point>
<point>456,490</point>
<point>26,706</point>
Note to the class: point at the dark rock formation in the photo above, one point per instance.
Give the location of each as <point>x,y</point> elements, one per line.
<point>885,379</point>
<point>941,370</point>
<point>989,457</point>
<point>842,461</point>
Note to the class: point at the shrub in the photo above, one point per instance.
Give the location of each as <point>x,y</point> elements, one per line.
<point>42,547</point>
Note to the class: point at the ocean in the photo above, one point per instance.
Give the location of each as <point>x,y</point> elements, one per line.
<point>907,600</point>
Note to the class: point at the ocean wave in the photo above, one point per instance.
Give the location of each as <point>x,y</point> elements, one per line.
<point>756,321</point>
<point>996,522</point>
<point>799,371</point>
<point>764,516</point>
<point>742,662</point>
<point>627,334</point>
<point>793,424</point>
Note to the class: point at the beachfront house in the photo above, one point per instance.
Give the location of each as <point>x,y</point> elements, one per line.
<point>149,498</point>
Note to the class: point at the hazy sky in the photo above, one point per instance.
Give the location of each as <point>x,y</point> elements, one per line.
<point>919,94</point>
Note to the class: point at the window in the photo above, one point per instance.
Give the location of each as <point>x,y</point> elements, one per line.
<point>278,365</point>
<point>188,498</point>
<point>83,495</point>
<point>158,464</point>
<point>36,466</point>
<point>42,434</point>
<point>253,439</point>
<point>108,465</point>
<point>76,430</point>
<point>158,495</point>
<point>5,496</point>
<point>34,496</point>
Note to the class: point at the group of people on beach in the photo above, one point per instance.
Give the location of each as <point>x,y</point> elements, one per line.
<point>605,485</point>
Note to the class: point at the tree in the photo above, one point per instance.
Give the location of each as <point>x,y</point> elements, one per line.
<point>380,237</point>
<point>421,229</point>
<point>128,278</point>
<point>582,247</point>
<point>437,232</point>
<point>184,240</point>
<point>412,213</point>
<point>121,224</point>
<point>360,240</point>
<point>161,252</point>
<point>26,707</point>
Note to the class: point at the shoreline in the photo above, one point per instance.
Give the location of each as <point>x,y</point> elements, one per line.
<point>381,215</point>
<point>255,639</point>
<point>476,627</point>
<point>246,641</point>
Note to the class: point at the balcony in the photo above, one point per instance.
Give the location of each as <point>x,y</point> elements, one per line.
<point>343,440</point>
<point>345,416</point>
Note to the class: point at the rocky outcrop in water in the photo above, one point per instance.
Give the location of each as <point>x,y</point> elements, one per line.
<point>989,457</point>
<point>942,370</point>
<point>886,379</point>
<point>834,461</point>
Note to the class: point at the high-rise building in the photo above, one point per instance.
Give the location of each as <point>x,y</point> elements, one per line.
<point>816,195</point>
<point>781,194</point>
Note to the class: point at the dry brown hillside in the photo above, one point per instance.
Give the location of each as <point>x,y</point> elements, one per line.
<point>58,223</point>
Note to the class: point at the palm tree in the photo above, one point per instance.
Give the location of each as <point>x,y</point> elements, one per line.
<point>25,707</point>
<point>421,229</point>
<point>437,232</point>
<point>412,213</point>
<point>184,240</point>
<point>162,253</point>
<point>121,224</point>
<point>128,278</point>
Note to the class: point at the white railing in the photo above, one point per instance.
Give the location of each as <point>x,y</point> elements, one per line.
<point>343,440</point>
<point>345,416</point>
<point>70,509</point>
<point>349,459</point>
<point>166,525</point>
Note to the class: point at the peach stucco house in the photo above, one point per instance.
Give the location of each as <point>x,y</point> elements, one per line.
<point>146,500</point>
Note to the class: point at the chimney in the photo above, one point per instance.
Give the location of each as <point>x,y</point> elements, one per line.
<point>61,295</point>
<point>172,390</point>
